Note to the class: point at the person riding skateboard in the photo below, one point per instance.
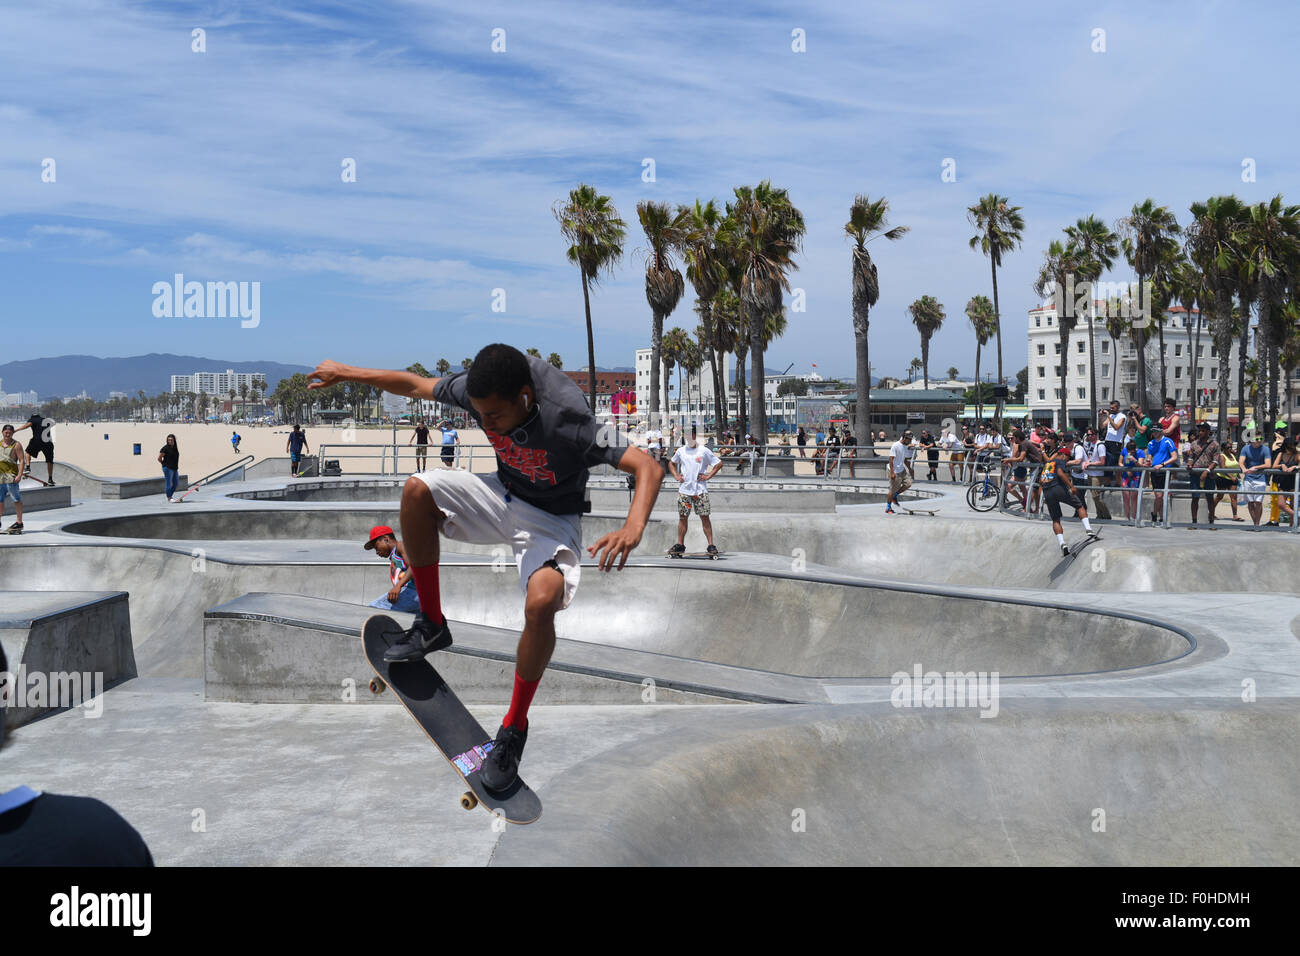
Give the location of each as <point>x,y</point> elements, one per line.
<point>545,438</point>
<point>1059,490</point>
<point>698,463</point>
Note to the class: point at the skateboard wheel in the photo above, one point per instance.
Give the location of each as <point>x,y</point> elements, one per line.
<point>377,686</point>
<point>468,801</point>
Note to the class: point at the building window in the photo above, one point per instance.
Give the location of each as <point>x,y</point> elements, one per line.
<point>1049,321</point>
<point>1056,371</point>
<point>1214,373</point>
<point>1178,372</point>
<point>1178,394</point>
<point>1038,321</point>
<point>1200,351</point>
<point>1082,369</point>
<point>1058,393</point>
<point>1082,393</point>
<point>1042,372</point>
<point>1057,346</point>
<point>1042,349</point>
<point>1105,346</point>
<point>1178,351</point>
<point>1105,393</point>
<point>1083,346</point>
<point>1214,351</point>
<point>1042,395</point>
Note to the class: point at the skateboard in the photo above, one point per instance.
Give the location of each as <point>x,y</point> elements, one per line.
<point>1074,553</point>
<point>39,481</point>
<point>458,736</point>
<point>697,555</point>
<point>917,511</point>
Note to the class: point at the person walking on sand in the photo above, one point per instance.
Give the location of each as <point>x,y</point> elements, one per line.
<point>13,463</point>
<point>169,456</point>
<point>545,438</point>
<point>420,438</point>
<point>450,439</point>
<point>692,466</point>
<point>235,440</point>
<point>294,447</point>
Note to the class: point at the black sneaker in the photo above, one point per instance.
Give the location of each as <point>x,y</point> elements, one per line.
<point>677,549</point>
<point>420,639</point>
<point>1065,550</point>
<point>712,549</point>
<point>501,769</point>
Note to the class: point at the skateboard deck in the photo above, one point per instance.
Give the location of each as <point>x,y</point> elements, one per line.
<point>1074,553</point>
<point>917,511</point>
<point>458,736</point>
<point>697,555</point>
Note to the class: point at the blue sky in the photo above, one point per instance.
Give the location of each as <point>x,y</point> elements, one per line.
<point>225,165</point>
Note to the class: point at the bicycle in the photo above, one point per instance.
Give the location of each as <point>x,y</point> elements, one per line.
<point>985,489</point>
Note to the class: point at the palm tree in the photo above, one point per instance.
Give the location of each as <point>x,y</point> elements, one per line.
<point>731,340</point>
<point>1148,233</point>
<point>1059,264</point>
<point>555,360</point>
<point>706,270</point>
<point>533,352</point>
<point>1099,246</point>
<point>1289,357</point>
<point>666,232</point>
<point>764,230</point>
<point>927,315</point>
<point>1117,328</point>
<point>243,396</point>
<point>1269,240</point>
<point>865,218</point>
<point>1212,248</point>
<point>1000,226</point>
<point>953,371</point>
<point>913,367</point>
<point>984,320</point>
<point>443,367</point>
<point>590,224</point>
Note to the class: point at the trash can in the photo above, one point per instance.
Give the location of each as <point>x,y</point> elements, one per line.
<point>135,448</point>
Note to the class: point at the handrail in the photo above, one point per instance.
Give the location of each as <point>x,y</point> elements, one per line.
<point>222,471</point>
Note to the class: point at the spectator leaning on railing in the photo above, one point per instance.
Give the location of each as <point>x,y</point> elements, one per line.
<point>1286,461</point>
<point>1228,477</point>
<point>1254,462</point>
<point>1203,457</point>
<point>1096,453</point>
<point>1162,457</point>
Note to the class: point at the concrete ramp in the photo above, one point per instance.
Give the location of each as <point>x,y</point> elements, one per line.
<point>1210,783</point>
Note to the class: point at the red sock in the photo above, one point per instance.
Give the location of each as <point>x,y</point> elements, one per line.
<point>517,715</point>
<point>426,588</point>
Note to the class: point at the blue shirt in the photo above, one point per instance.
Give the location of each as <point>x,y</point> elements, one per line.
<point>449,436</point>
<point>1251,458</point>
<point>296,441</point>
<point>1162,451</point>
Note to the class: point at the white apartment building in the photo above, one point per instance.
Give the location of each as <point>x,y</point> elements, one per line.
<point>216,383</point>
<point>1117,366</point>
<point>696,402</point>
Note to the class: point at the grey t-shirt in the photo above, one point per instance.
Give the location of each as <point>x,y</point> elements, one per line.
<point>545,460</point>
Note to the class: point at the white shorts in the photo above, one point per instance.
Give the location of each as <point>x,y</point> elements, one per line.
<point>478,513</point>
<point>1253,488</point>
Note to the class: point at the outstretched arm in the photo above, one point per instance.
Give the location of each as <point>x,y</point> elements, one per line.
<point>617,545</point>
<point>396,382</point>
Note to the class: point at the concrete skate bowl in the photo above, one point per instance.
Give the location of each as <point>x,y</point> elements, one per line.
<point>248,524</point>
<point>800,625</point>
<point>170,590</point>
<point>1009,553</point>
<point>1180,783</point>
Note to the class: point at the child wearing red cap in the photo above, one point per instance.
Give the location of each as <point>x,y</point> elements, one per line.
<point>401,596</point>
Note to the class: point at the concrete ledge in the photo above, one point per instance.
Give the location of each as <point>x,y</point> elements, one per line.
<point>63,648</point>
<point>41,499</point>
<point>284,648</point>
<point>85,485</point>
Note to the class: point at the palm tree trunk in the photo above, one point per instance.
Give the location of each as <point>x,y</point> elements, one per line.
<point>997,315</point>
<point>1114,369</point>
<point>757,405</point>
<point>979,392</point>
<point>1164,388</point>
<point>1139,340</point>
<point>591,344</point>
<point>1092,363</point>
<point>1065,357</point>
<point>864,386</point>
<point>656,334</point>
<point>742,394</point>
<point>1196,346</point>
<point>925,360</point>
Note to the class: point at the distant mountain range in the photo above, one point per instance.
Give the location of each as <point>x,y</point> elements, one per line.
<point>69,375</point>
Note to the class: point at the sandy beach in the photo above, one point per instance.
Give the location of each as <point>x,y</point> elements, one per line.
<point>106,448</point>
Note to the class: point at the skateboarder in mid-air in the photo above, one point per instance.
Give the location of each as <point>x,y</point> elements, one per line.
<point>545,439</point>
<point>1059,490</point>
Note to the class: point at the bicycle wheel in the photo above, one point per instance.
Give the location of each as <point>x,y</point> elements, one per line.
<point>983,495</point>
